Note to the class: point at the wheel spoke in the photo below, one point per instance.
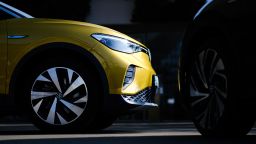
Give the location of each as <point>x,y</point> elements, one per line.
<point>62,120</point>
<point>77,110</point>
<point>37,106</point>
<point>78,82</point>
<point>218,67</point>
<point>201,68</point>
<point>200,100</point>
<point>221,75</point>
<point>220,105</point>
<point>194,92</point>
<point>213,61</point>
<point>42,78</point>
<point>211,112</point>
<point>202,118</point>
<point>82,100</point>
<point>221,93</point>
<point>201,75</point>
<point>52,112</point>
<point>70,74</point>
<point>54,77</point>
<point>37,95</point>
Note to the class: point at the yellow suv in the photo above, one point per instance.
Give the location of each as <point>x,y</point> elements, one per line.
<point>68,75</point>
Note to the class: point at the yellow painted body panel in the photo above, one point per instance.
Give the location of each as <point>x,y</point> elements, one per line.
<point>3,55</point>
<point>116,67</point>
<point>44,31</point>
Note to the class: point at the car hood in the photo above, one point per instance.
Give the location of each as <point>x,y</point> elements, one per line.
<point>69,24</point>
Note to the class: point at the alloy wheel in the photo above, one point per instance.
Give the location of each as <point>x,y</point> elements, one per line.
<point>208,88</point>
<point>59,96</point>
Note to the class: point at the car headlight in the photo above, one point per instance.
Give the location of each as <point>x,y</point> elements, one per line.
<point>120,44</point>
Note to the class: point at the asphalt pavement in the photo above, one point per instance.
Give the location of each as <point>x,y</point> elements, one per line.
<point>119,133</point>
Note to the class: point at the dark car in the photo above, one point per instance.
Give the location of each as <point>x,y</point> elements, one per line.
<point>216,72</point>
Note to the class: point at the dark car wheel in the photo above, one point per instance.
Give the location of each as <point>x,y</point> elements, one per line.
<point>61,94</point>
<point>212,94</point>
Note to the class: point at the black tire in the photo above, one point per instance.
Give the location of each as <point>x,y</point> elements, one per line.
<point>64,111</point>
<point>214,99</point>
<point>103,121</point>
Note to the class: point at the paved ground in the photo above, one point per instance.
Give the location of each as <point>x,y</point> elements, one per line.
<point>120,133</point>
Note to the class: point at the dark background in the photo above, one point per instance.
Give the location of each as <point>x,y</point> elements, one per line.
<point>145,11</point>
<point>160,24</point>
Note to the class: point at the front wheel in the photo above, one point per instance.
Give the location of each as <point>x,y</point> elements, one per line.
<point>61,94</point>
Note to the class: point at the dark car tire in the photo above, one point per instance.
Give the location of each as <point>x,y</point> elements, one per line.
<point>103,121</point>
<point>213,97</point>
<point>71,111</point>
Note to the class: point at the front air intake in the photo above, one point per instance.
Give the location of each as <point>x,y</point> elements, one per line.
<point>129,76</point>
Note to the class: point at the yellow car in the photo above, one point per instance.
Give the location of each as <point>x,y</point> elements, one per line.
<point>68,75</point>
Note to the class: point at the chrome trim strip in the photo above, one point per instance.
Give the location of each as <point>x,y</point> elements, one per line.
<point>208,2</point>
<point>14,10</point>
<point>146,106</point>
<point>9,12</point>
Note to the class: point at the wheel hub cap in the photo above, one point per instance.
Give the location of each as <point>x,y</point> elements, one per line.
<point>59,96</point>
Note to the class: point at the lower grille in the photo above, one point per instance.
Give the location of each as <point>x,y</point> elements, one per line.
<point>141,98</point>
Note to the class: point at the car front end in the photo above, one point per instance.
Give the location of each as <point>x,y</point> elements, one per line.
<point>132,80</point>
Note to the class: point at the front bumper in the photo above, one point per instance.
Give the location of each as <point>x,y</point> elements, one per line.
<point>143,100</point>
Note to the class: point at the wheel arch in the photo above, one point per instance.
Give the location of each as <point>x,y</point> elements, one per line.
<point>208,22</point>
<point>54,48</point>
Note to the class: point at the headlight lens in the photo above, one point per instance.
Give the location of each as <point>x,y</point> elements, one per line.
<point>120,44</point>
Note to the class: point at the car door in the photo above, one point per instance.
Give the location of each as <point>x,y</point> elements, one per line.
<point>5,14</point>
<point>3,50</point>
